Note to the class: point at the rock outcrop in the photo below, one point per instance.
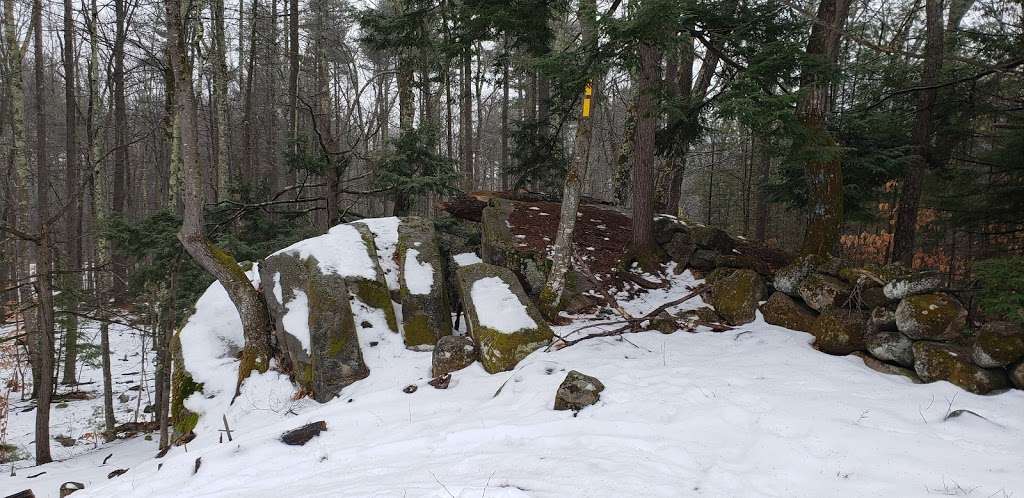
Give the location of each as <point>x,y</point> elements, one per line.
<point>503,321</point>
<point>426,316</point>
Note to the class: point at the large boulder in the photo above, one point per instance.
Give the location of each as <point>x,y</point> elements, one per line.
<point>899,287</point>
<point>452,353</point>
<point>711,238</point>
<point>735,294</point>
<point>577,391</point>
<point>504,323</point>
<point>822,292</point>
<point>839,331</point>
<point>935,361</point>
<point>679,248</point>
<point>310,288</point>
<point>784,311</point>
<point>938,317</point>
<point>890,346</point>
<point>998,344</point>
<point>426,316</point>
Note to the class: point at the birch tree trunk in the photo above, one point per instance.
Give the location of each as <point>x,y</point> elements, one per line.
<point>576,176</point>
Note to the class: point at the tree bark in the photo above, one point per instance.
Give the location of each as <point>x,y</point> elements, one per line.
<point>466,120</point>
<point>644,173</point>
<point>764,170</point>
<point>44,254</point>
<point>220,91</point>
<point>72,195</point>
<point>108,386</point>
<point>822,169</point>
<point>905,229</point>
<point>252,309</point>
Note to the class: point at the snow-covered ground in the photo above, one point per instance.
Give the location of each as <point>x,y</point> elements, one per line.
<point>750,412</point>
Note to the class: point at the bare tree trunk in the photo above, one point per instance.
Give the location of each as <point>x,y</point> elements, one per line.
<point>466,120</point>
<point>108,386</point>
<point>644,173</point>
<point>252,309</point>
<point>764,170</point>
<point>504,123</point>
<point>220,90</point>
<point>575,177</point>
<point>72,195</point>
<point>44,254</point>
<point>905,229</point>
<point>823,169</point>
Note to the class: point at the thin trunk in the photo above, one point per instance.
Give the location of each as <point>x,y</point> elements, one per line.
<point>576,176</point>
<point>108,386</point>
<point>466,120</point>
<point>504,124</point>
<point>220,93</point>
<point>764,169</point>
<point>120,194</point>
<point>905,229</point>
<point>44,263</point>
<point>73,279</point>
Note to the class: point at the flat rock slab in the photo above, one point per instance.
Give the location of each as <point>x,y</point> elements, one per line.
<point>426,316</point>
<point>503,322</point>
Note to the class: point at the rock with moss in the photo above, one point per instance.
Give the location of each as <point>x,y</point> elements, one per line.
<point>893,347</point>
<point>372,291</point>
<point>883,318</point>
<point>911,284</point>
<point>887,368</point>
<point>452,353</point>
<point>311,289</point>
<point>183,420</point>
<point>1017,375</point>
<point>934,361</point>
<point>937,317</point>
<point>784,311</point>
<point>788,278</point>
<point>998,344</point>
<point>704,259</point>
<point>822,292</point>
<point>680,249</point>
<point>503,322</point>
<point>839,331</point>
<point>500,247</point>
<point>426,316</point>
<point>734,293</point>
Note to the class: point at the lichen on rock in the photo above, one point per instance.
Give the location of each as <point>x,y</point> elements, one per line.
<point>839,331</point>
<point>934,361</point>
<point>998,344</point>
<point>937,317</point>
<point>784,311</point>
<point>735,293</point>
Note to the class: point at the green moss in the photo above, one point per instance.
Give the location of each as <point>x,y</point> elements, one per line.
<point>934,361</point>
<point>226,260</point>
<point>182,386</point>
<point>417,331</point>
<point>735,293</point>
<point>931,316</point>
<point>375,294</point>
<point>500,352</point>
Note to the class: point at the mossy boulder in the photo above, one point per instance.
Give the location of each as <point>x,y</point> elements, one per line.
<point>734,294</point>
<point>886,368</point>
<point>711,238</point>
<point>680,249</point>
<point>577,391</point>
<point>452,353</point>
<point>500,247</point>
<point>704,259</point>
<point>998,344</point>
<point>426,316</point>
<point>893,347</point>
<point>909,284</point>
<point>883,318</point>
<point>788,278</point>
<point>839,331</point>
<point>314,322</point>
<point>373,291</point>
<point>183,421</point>
<point>822,292</point>
<point>500,349</point>
<point>935,361</point>
<point>938,317</point>
<point>784,311</point>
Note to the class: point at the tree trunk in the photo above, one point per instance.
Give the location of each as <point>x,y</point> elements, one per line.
<point>72,195</point>
<point>220,91</point>
<point>44,254</point>
<point>823,169</point>
<point>576,176</point>
<point>764,170</point>
<point>905,229</point>
<point>466,120</point>
<point>644,173</point>
<point>252,309</point>
<point>108,386</point>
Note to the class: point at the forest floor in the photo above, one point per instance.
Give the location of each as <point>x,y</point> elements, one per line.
<point>753,411</point>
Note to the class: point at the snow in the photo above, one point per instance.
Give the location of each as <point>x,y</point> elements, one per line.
<point>419,277</point>
<point>750,412</point>
<point>296,319</point>
<point>385,231</point>
<point>466,259</point>
<point>278,291</point>
<point>497,307</point>
<point>339,251</point>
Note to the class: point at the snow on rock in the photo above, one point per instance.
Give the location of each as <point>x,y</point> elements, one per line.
<point>498,308</point>
<point>419,277</point>
<point>339,251</point>
<point>385,231</point>
<point>296,319</point>
<point>466,259</point>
